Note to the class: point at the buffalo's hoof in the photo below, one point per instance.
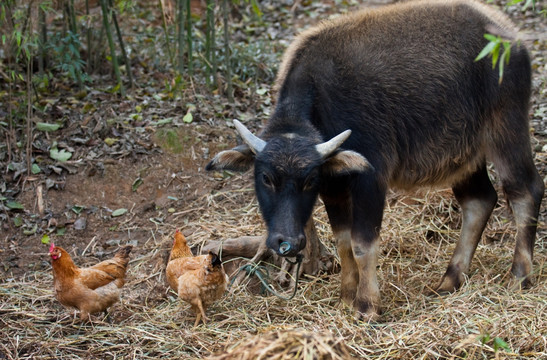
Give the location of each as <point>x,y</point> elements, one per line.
<point>518,284</point>
<point>348,297</point>
<point>365,311</point>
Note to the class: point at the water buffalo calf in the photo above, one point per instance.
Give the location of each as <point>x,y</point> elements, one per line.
<point>399,88</point>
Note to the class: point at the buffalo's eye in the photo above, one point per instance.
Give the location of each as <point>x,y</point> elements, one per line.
<point>267,180</point>
<point>309,184</point>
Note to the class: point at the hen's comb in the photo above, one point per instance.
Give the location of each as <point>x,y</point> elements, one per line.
<point>51,247</point>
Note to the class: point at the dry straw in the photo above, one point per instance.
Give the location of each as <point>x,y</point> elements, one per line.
<point>483,320</point>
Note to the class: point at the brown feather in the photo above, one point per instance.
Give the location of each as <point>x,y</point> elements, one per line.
<point>198,280</point>
<point>92,289</point>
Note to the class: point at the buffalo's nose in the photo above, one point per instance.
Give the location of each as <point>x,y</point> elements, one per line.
<point>286,246</point>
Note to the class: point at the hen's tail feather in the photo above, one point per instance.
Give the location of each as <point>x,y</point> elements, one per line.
<point>123,254</point>
<point>215,259</point>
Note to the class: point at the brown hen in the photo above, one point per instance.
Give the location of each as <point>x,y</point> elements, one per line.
<point>90,290</point>
<point>198,280</point>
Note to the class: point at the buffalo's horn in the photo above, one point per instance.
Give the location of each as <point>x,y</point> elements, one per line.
<point>255,143</point>
<point>327,148</point>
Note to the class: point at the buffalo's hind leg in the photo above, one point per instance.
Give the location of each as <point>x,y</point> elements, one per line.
<point>477,198</point>
<point>511,153</point>
<point>523,188</point>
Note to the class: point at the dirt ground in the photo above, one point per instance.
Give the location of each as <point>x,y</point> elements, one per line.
<point>171,186</point>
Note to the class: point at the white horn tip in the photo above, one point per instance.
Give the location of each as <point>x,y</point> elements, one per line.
<point>254,142</point>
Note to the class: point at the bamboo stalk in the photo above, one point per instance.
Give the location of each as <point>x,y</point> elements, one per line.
<point>42,55</point>
<point>189,37</point>
<point>180,35</point>
<point>104,7</point>
<point>72,28</point>
<point>210,42</point>
<point>88,38</point>
<point>166,32</point>
<point>229,90</point>
<point>28,147</point>
<point>122,46</point>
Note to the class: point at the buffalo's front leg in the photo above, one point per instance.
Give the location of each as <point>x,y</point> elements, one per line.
<point>349,277</point>
<point>337,200</point>
<point>367,299</point>
<point>356,219</point>
<point>339,211</point>
<point>368,207</point>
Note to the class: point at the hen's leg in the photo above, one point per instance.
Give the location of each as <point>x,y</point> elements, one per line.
<point>201,313</point>
<point>85,316</point>
<point>198,318</point>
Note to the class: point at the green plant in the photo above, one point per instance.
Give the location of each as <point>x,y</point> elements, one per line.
<point>496,46</point>
<point>66,50</point>
<point>500,49</point>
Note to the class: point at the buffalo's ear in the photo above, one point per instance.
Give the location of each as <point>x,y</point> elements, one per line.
<point>345,162</point>
<point>240,158</point>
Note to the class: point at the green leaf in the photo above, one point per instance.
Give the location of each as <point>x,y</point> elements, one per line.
<point>138,182</point>
<point>502,63</point>
<point>35,169</point>
<point>495,55</point>
<point>486,50</point>
<point>45,239</point>
<point>31,231</point>
<point>119,212</point>
<point>492,38</point>
<point>60,155</point>
<point>506,51</point>
<point>256,9</point>
<point>47,127</point>
<point>61,231</point>
<point>500,344</point>
<point>110,141</point>
<point>14,205</point>
<point>188,118</point>
<point>528,3</point>
<point>484,338</point>
<point>261,91</point>
<point>116,88</point>
<point>17,221</point>
<point>77,209</point>
<point>164,121</point>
